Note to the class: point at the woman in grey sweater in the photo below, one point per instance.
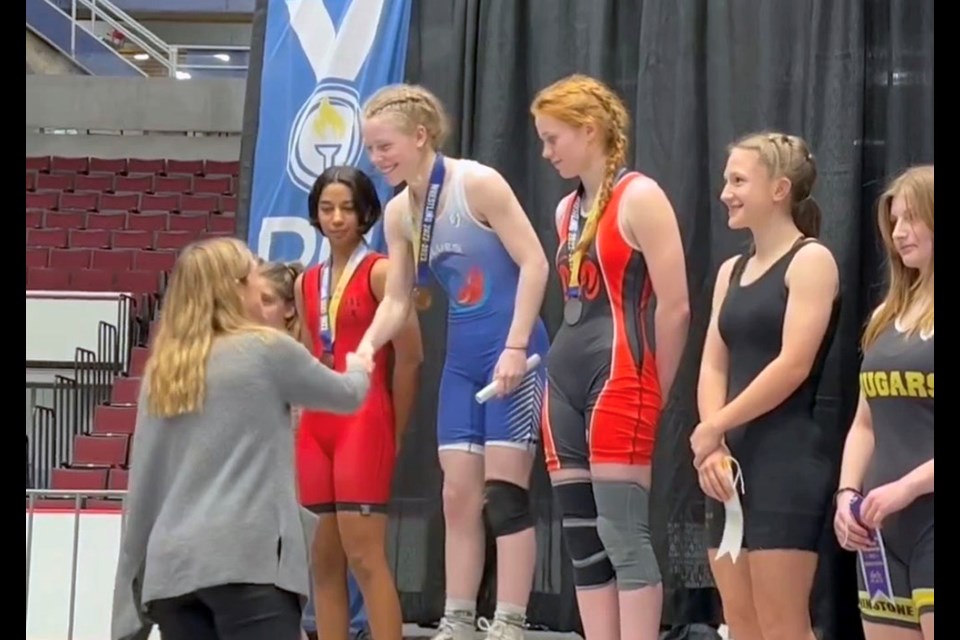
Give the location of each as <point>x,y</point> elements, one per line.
<point>212,545</point>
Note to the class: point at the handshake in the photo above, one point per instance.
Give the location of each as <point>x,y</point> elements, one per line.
<point>361,359</point>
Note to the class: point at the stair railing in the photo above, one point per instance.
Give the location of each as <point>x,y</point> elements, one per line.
<point>121,21</point>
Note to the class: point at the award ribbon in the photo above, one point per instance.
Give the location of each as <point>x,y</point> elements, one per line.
<point>732,541</point>
<point>421,248</point>
<point>873,562</point>
<point>330,304</point>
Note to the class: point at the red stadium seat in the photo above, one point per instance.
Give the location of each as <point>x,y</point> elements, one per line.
<point>108,165</point>
<point>216,186</point>
<point>133,184</point>
<point>155,260</point>
<point>222,224</point>
<point>92,280</point>
<point>188,167</point>
<point>70,258</point>
<point>173,240</point>
<point>69,165</point>
<point>54,182</point>
<point>188,222</point>
<point>107,221</point>
<point>138,361</point>
<point>98,183</point>
<point>132,240</point>
<point>136,165</point>
<point>117,479</point>
<point>45,279</point>
<point>37,257</point>
<point>34,218</point>
<point>165,203</point>
<point>199,204</point>
<point>113,260</point>
<point>136,282</point>
<point>90,238</point>
<point>38,163</point>
<point>219,168</point>
<point>65,220</point>
<point>68,479</point>
<point>147,222</point>
<point>114,420</point>
<point>108,451</point>
<point>47,238</point>
<point>172,184</point>
<point>125,390</point>
<point>48,200</point>
<point>31,180</point>
<point>228,204</point>
<point>80,201</point>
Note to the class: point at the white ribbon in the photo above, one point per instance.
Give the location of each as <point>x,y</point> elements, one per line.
<point>732,540</point>
<point>337,53</point>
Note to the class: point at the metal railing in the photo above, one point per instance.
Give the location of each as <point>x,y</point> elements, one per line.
<point>77,499</point>
<point>119,20</point>
<point>74,399</point>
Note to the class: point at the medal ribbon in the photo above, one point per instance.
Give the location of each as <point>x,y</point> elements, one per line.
<point>573,238</point>
<point>330,304</point>
<point>421,248</point>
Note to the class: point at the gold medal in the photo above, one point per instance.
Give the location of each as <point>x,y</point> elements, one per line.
<point>422,298</point>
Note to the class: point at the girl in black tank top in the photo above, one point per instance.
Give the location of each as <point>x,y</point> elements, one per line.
<point>774,316</point>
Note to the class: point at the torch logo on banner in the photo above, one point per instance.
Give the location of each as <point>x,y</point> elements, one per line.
<point>326,131</point>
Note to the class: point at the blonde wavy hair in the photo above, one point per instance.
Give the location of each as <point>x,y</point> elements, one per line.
<point>410,106</point>
<point>283,279</point>
<point>578,100</point>
<point>202,301</point>
<point>905,284</point>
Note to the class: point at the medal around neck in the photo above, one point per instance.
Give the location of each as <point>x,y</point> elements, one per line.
<point>422,298</point>
<point>572,311</point>
<point>422,244</point>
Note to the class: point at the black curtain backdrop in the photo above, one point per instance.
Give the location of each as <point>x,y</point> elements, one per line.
<point>855,78</point>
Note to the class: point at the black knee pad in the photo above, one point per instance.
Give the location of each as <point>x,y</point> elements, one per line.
<point>507,508</point>
<point>591,566</point>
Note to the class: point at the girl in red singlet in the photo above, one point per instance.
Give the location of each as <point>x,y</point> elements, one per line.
<point>607,376</point>
<point>345,463</point>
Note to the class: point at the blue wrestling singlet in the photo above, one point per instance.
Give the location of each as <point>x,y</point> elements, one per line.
<point>480,280</point>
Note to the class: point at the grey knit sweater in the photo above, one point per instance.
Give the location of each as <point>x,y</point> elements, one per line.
<point>212,496</point>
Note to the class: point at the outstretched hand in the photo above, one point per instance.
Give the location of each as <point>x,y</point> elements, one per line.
<point>359,361</point>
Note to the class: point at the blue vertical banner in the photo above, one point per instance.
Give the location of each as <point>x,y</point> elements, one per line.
<point>322,59</point>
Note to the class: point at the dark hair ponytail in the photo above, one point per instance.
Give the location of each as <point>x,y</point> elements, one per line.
<point>807,216</point>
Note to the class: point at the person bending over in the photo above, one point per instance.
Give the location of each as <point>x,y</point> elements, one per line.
<point>212,545</point>
<point>278,298</point>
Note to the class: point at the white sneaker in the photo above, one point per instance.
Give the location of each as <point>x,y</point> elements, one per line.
<point>500,630</point>
<point>454,630</point>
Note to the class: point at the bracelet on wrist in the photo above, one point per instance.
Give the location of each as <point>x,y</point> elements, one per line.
<point>512,348</point>
<point>841,490</point>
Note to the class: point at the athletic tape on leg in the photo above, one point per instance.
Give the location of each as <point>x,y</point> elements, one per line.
<point>732,541</point>
<point>623,524</point>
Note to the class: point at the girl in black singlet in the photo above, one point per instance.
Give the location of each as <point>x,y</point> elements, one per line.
<point>774,315</point>
<point>886,481</point>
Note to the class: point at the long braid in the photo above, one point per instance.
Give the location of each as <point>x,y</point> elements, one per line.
<point>616,158</point>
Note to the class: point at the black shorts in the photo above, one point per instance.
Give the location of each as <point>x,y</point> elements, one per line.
<point>787,489</point>
<point>908,542</point>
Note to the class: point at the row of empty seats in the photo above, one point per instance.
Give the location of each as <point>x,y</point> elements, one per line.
<point>170,202</point>
<point>109,183</point>
<point>119,220</point>
<point>106,259</point>
<point>134,282</point>
<point>113,239</point>
<point>57,164</point>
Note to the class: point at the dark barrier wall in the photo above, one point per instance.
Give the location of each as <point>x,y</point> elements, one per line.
<point>855,78</point>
